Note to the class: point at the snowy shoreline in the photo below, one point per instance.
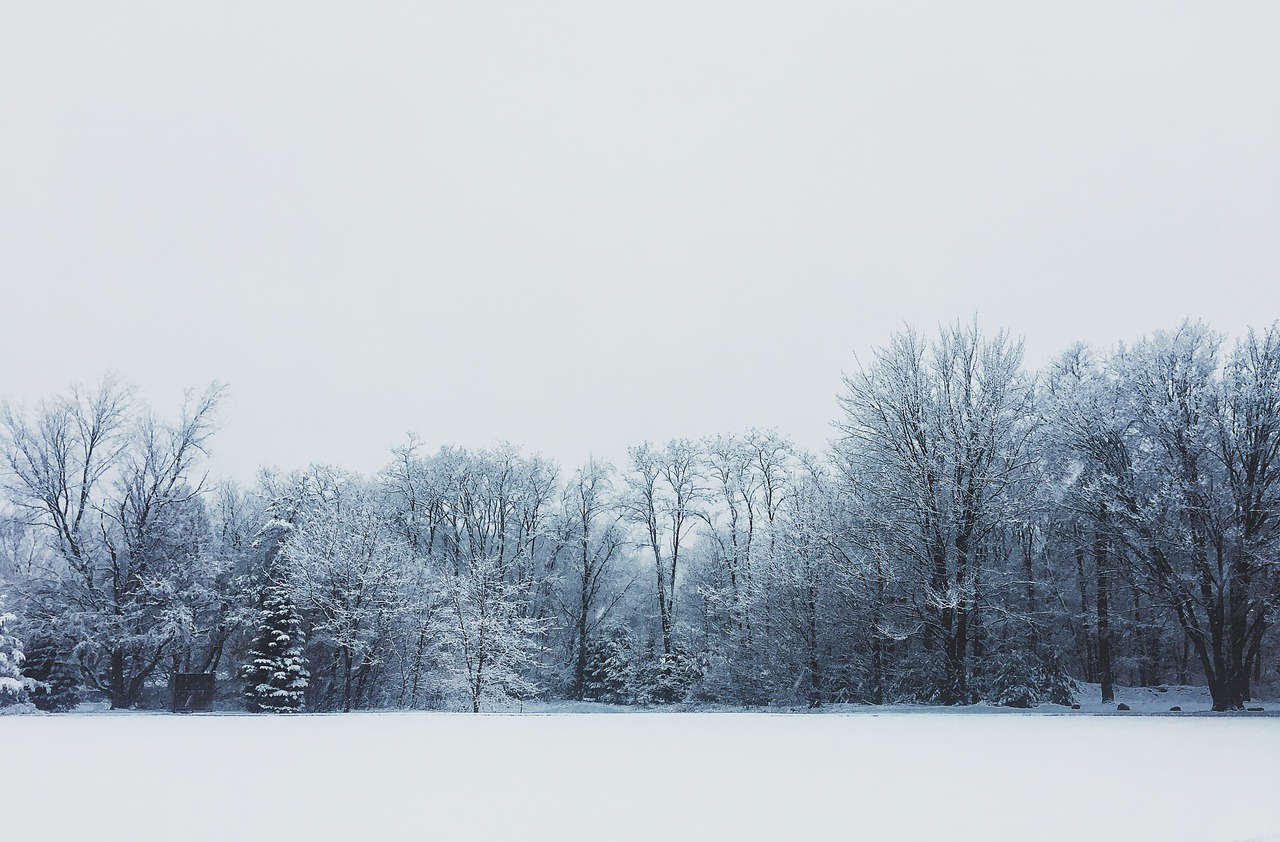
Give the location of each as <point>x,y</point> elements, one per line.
<point>1142,702</point>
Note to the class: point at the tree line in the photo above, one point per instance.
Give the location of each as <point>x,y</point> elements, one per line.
<point>975,532</point>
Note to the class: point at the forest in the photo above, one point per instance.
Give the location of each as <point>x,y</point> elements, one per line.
<point>976,532</point>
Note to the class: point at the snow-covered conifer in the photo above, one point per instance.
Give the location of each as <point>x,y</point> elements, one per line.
<point>15,688</point>
<point>57,680</point>
<point>276,675</point>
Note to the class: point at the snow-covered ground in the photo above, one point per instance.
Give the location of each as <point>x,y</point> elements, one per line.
<point>1140,700</point>
<point>875,775</point>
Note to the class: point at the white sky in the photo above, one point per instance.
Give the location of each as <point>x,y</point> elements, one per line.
<point>576,226</point>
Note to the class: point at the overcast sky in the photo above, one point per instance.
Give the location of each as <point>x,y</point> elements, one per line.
<point>577,226</point>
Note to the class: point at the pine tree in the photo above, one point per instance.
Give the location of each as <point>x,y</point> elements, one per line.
<point>15,688</point>
<point>59,683</point>
<point>276,674</point>
<point>609,672</point>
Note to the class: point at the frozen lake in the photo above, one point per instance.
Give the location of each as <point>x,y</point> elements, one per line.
<point>652,776</point>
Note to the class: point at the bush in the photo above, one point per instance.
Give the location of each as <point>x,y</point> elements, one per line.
<point>58,684</point>
<point>610,670</point>
<point>917,678</point>
<point>1018,681</point>
<point>1012,682</point>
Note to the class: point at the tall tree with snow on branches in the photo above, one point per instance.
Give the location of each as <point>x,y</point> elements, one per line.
<point>15,688</point>
<point>276,676</point>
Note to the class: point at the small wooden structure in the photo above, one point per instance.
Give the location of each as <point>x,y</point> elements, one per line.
<point>191,691</point>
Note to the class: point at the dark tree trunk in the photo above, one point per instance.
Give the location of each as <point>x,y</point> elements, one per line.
<point>877,641</point>
<point>1103,572</point>
<point>1146,642</point>
<point>1087,648</point>
<point>946,629</point>
<point>1029,576</point>
<point>580,662</point>
<point>346,680</point>
<point>977,631</point>
<point>959,668</point>
<point>815,669</point>
<point>584,608</point>
<point>116,681</point>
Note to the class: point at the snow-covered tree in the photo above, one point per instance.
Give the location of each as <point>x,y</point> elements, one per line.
<point>590,540</point>
<point>481,593</point>
<point>115,491</point>
<point>939,433</point>
<point>345,564</point>
<point>610,671</point>
<point>1087,466</point>
<point>15,688</point>
<point>665,499</point>
<point>57,679</point>
<point>493,545</point>
<point>276,675</point>
<point>1202,518</point>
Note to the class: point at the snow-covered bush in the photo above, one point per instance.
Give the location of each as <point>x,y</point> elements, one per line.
<point>609,675</point>
<point>1019,681</point>
<point>57,680</point>
<point>620,670</point>
<point>917,678</point>
<point>745,676</point>
<point>664,679</point>
<point>1057,686</point>
<point>1013,682</point>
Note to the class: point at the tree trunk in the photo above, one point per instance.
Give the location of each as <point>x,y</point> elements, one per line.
<point>663,613</point>
<point>1103,572</point>
<point>580,664</point>
<point>877,641</point>
<point>584,608</point>
<point>115,677</point>
<point>346,680</point>
<point>1146,636</point>
<point>1028,574</point>
<point>960,642</point>
<point>946,628</point>
<point>1087,648</point>
<point>815,670</point>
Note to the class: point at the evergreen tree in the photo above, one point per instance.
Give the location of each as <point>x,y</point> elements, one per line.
<point>609,671</point>
<point>57,679</point>
<point>15,688</point>
<point>276,675</point>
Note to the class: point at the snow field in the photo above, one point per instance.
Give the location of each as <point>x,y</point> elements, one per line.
<point>916,776</point>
